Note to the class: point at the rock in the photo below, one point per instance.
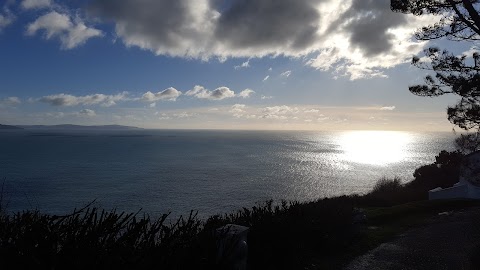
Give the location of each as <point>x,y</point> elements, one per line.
<point>359,216</point>
<point>232,248</point>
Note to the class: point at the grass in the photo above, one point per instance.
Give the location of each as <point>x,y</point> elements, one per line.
<point>283,235</point>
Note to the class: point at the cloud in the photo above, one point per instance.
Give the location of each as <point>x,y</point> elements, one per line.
<point>312,111</point>
<point>284,109</point>
<point>170,94</point>
<point>243,65</point>
<point>286,74</point>
<point>184,115</point>
<point>36,4</point>
<point>6,17</point>
<point>55,114</point>
<point>217,94</point>
<point>363,38</point>
<point>176,28</point>
<point>322,118</point>
<point>266,97</point>
<point>266,78</point>
<point>10,101</point>
<point>354,38</point>
<point>95,99</point>
<point>281,112</point>
<point>87,112</point>
<point>291,25</point>
<point>246,93</point>
<point>387,108</point>
<point>71,33</point>
<point>238,108</point>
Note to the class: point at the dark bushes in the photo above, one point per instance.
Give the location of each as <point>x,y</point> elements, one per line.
<point>281,236</point>
<point>386,192</point>
<point>444,172</point>
<point>96,239</point>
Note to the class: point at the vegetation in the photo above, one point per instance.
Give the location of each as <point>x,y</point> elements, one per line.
<point>460,21</point>
<point>453,74</point>
<point>323,234</point>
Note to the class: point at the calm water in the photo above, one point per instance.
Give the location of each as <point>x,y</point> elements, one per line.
<point>209,171</point>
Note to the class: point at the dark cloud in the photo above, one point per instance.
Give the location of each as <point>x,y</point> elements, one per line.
<point>250,24</point>
<point>354,37</point>
<point>149,23</point>
<point>368,22</point>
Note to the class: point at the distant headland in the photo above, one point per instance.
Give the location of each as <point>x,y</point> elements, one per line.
<point>67,127</point>
<point>2,127</point>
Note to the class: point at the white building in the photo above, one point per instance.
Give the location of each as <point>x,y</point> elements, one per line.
<point>468,186</point>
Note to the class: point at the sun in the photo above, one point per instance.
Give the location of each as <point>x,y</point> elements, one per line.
<point>375,147</point>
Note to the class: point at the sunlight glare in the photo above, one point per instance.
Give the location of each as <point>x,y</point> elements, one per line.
<point>375,147</point>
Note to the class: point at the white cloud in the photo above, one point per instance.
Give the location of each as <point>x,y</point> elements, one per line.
<point>87,112</point>
<point>364,38</point>
<point>270,69</point>
<point>10,101</point>
<point>387,108</point>
<point>284,109</point>
<point>152,105</point>
<point>266,97</point>
<point>184,115</point>
<point>286,74</point>
<point>274,116</point>
<point>217,94</point>
<point>246,93</point>
<point>6,18</point>
<point>36,4</point>
<point>170,94</point>
<point>95,99</point>
<point>470,52</point>
<point>322,118</point>
<point>238,108</point>
<point>245,64</point>
<point>266,78</point>
<point>71,33</point>
<point>311,111</point>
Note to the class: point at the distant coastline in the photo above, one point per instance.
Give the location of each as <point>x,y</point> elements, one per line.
<point>5,127</point>
<point>67,127</point>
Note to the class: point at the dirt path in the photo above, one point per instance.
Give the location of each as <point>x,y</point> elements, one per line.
<point>447,241</point>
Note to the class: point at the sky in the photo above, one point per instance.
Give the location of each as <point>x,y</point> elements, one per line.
<point>215,64</point>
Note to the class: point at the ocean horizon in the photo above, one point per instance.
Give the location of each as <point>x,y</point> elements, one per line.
<point>209,171</point>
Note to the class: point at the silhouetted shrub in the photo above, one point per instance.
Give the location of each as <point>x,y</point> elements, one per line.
<point>90,238</point>
<point>444,172</point>
<point>386,192</point>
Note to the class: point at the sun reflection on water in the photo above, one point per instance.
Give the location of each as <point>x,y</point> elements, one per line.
<point>375,147</point>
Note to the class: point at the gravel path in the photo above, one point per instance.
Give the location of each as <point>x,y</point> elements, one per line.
<point>447,241</point>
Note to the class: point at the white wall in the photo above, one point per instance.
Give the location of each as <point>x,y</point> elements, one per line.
<point>459,191</point>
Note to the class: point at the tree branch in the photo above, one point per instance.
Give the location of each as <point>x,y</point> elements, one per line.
<point>462,16</point>
<point>473,14</point>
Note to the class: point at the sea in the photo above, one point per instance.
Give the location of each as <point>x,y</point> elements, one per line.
<point>209,171</point>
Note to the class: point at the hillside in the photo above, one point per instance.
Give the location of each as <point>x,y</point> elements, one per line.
<point>79,127</point>
<point>2,127</point>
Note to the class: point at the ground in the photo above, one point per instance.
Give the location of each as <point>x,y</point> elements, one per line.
<point>448,240</point>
